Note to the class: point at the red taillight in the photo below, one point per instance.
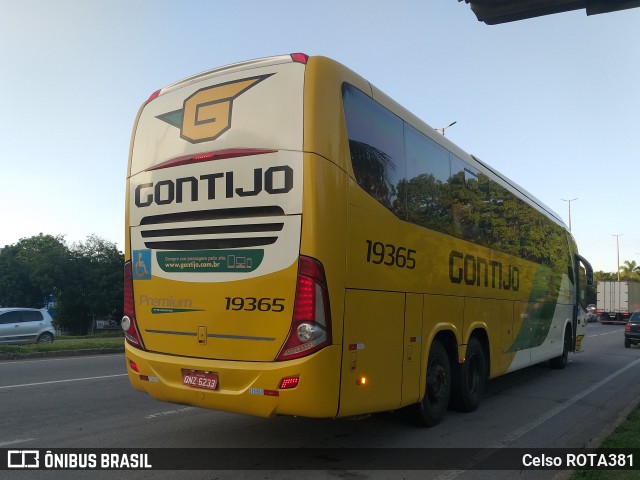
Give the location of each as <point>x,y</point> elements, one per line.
<point>153,96</point>
<point>299,57</point>
<point>207,156</point>
<point>311,325</point>
<point>129,325</point>
<point>134,366</point>
<point>627,327</point>
<point>289,382</point>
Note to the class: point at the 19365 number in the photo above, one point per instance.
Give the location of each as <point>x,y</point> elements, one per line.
<point>390,255</point>
<point>251,304</point>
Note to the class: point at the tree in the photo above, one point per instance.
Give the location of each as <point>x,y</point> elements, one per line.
<point>601,276</point>
<point>629,270</point>
<point>32,269</point>
<point>86,279</point>
<point>94,287</point>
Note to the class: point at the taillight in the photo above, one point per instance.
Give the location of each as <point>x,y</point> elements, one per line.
<point>153,96</point>
<point>299,57</point>
<point>311,325</point>
<point>289,382</point>
<point>208,156</point>
<point>128,323</point>
<point>627,327</point>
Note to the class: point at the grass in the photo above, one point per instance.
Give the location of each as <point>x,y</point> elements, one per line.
<point>108,334</point>
<point>626,436</point>
<point>109,340</point>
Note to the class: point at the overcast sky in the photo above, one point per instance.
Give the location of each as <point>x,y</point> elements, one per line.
<point>551,102</point>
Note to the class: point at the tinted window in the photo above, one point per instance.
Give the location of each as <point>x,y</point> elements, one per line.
<point>465,190</point>
<point>422,182</point>
<point>427,185</point>
<point>10,317</point>
<point>376,145</point>
<point>31,316</point>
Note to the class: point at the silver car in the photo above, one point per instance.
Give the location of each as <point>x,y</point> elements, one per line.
<point>25,325</point>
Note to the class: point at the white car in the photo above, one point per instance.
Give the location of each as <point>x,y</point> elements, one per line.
<point>26,325</point>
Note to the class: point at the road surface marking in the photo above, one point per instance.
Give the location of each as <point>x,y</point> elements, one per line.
<point>513,436</point>
<point>58,359</point>
<point>520,432</point>
<point>62,381</point>
<point>607,333</point>
<point>13,442</point>
<point>169,412</point>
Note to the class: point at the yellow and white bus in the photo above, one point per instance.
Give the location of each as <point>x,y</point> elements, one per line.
<point>297,243</point>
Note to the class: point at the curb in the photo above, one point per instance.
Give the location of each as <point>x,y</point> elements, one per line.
<point>61,353</point>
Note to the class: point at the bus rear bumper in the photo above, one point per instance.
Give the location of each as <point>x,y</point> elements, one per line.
<point>250,388</point>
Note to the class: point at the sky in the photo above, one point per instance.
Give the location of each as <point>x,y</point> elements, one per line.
<point>551,102</point>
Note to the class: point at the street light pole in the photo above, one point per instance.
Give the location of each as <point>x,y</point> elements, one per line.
<point>618,250</point>
<point>569,202</point>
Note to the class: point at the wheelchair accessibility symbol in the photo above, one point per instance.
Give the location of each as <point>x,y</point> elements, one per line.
<point>141,264</point>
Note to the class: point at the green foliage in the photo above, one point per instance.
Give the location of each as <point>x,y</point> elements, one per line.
<point>626,436</point>
<point>630,270</point>
<point>32,269</point>
<point>58,346</point>
<point>601,276</point>
<point>85,279</point>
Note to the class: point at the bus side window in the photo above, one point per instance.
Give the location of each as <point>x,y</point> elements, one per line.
<point>377,148</point>
<point>465,190</point>
<point>428,193</point>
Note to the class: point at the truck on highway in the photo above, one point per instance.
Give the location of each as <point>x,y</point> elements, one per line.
<point>616,301</point>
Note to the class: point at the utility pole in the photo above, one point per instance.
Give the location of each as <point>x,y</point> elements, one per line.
<point>618,250</point>
<point>569,202</point>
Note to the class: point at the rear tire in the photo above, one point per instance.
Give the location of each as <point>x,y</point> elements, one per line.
<point>431,409</point>
<point>627,343</point>
<point>45,338</point>
<point>469,378</point>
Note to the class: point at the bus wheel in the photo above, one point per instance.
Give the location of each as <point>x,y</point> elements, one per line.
<point>561,361</point>
<point>431,409</point>
<point>470,378</point>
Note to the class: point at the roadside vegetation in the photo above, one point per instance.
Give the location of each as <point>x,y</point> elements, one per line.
<point>83,280</point>
<point>62,343</point>
<point>626,436</point>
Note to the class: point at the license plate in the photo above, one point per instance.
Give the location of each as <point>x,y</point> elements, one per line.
<point>196,379</point>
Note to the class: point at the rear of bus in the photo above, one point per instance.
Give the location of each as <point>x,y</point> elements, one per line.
<point>226,301</point>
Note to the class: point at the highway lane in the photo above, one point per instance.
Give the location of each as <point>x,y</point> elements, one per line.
<point>87,402</point>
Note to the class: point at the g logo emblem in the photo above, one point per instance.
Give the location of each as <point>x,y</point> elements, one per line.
<point>207,113</point>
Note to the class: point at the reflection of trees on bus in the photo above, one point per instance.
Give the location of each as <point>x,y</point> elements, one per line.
<point>471,207</point>
<point>373,167</point>
<point>422,182</point>
<point>428,202</point>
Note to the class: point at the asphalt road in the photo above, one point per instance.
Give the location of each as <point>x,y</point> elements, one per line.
<point>87,402</point>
